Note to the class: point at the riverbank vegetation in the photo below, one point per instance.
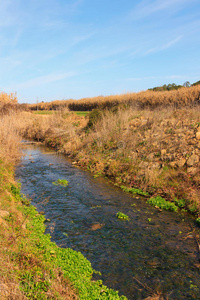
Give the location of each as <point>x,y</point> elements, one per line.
<point>33,267</point>
<point>152,152</point>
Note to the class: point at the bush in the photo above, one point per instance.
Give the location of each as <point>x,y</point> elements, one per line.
<point>94,116</point>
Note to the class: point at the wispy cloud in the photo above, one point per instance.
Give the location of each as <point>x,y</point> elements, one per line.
<point>165,46</point>
<point>148,7</point>
<point>156,77</point>
<point>44,79</point>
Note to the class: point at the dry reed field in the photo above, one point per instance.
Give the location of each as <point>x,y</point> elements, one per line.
<point>186,96</point>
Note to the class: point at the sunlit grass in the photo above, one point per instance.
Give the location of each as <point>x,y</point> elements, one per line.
<point>146,99</point>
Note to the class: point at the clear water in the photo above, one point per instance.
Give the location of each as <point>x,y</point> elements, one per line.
<point>136,258</point>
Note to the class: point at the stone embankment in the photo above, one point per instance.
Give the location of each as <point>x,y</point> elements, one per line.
<point>175,143</point>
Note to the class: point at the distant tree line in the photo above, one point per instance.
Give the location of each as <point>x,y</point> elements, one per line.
<point>173,86</point>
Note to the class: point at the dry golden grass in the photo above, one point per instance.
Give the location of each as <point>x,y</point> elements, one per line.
<point>145,99</point>
<point>8,98</point>
<point>143,148</point>
<point>9,138</point>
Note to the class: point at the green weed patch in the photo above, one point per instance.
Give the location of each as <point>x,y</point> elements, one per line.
<point>162,203</point>
<point>122,216</point>
<point>62,182</point>
<point>134,191</point>
<point>198,221</point>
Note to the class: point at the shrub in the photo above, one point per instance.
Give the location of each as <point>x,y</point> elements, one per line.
<point>94,116</point>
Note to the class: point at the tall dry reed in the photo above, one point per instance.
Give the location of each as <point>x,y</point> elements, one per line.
<point>146,99</point>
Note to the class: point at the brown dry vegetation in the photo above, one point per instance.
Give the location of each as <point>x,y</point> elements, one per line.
<point>8,98</point>
<point>147,99</point>
<point>157,151</point>
<point>14,261</point>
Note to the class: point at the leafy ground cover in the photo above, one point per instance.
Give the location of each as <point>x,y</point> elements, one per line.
<point>122,216</point>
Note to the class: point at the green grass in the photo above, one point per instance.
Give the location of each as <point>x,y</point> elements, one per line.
<point>51,112</point>
<point>44,112</point>
<point>81,113</point>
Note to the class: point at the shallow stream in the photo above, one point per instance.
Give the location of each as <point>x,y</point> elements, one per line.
<point>156,251</point>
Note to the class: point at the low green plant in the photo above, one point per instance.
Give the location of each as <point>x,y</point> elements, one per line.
<point>180,202</point>
<point>38,258</point>
<point>193,208</point>
<point>76,124</point>
<point>98,174</point>
<point>160,202</point>
<point>134,191</point>
<point>122,216</point>
<point>198,221</point>
<point>73,264</point>
<point>62,182</point>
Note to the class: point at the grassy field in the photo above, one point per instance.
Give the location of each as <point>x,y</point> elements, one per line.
<point>51,112</point>
<point>44,112</point>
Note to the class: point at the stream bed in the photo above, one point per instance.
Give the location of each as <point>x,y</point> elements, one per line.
<point>155,252</point>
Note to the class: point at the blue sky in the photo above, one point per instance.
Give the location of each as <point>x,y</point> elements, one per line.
<point>62,49</point>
